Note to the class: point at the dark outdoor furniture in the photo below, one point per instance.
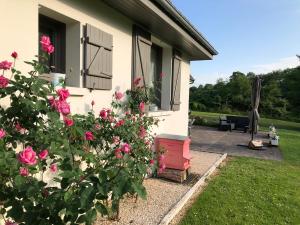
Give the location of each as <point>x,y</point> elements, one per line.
<point>234,123</point>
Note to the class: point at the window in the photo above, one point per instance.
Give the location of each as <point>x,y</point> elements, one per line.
<point>57,32</point>
<point>156,74</point>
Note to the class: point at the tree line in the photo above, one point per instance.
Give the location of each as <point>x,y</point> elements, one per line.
<point>280,94</point>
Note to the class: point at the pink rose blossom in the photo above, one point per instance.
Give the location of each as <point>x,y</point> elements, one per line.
<point>20,129</point>
<point>49,49</point>
<point>151,161</point>
<point>53,168</point>
<point>118,95</point>
<point>43,154</point>
<point>3,81</point>
<point>89,136</point>
<point>52,102</point>
<point>142,132</point>
<point>63,107</point>
<point>97,126</point>
<point>45,40</point>
<point>5,65</point>
<point>63,94</point>
<point>23,172</point>
<point>118,153</point>
<point>103,114</point>
<point>161,158</point>
<point>2,133</point>
<point>14,54</point>
<point>142,106</point>
<point>28,156</point>
<point>137,81</point>
<point>8,222</point>
<point>68,122</point>
<point>120,123</point>
<point>126,148</point>
<point>116,140</point>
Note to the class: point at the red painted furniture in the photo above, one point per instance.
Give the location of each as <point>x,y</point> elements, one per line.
<point>177,148</point>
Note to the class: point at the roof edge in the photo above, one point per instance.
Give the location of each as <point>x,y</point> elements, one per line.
<point>186,24</point>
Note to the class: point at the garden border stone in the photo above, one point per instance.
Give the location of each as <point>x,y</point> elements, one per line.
<point>180,204</point>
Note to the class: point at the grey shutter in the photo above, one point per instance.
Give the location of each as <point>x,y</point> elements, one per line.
<point>141,54</point>
<point>176,82</point>
<point>97,59</point>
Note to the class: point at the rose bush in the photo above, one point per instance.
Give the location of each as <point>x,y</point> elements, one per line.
<point>58,168</point>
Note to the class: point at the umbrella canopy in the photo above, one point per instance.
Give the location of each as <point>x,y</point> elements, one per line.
<point>255,98</point>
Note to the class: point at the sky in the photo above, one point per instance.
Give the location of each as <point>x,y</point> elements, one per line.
<point>250,35</point>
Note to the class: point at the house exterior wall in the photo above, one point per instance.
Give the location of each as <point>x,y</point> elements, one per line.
<point>21,24</point>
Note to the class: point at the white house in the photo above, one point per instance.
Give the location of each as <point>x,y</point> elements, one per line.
<point>102,45</point>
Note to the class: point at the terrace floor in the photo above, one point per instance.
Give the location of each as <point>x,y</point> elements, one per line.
<point>209,139</point>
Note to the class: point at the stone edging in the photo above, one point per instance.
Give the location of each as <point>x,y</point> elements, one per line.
<point>179,205</point>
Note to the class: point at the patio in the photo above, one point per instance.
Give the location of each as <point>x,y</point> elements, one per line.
<point>212,140</point>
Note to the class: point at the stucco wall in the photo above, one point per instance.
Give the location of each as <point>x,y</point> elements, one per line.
<point>21,26</point>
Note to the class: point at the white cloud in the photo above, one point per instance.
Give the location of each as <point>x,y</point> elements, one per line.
<point>281,64</point>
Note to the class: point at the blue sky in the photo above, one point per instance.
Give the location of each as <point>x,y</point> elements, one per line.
<point>250,35</point>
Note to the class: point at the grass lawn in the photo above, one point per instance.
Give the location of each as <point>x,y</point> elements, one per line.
<point>253,191</point>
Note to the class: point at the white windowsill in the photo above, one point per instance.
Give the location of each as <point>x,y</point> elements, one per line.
<point>159,113</point>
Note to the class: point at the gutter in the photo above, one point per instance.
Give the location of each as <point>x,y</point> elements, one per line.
<point>183,22</point>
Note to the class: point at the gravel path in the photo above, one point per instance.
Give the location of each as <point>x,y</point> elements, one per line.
<point>162,195</point>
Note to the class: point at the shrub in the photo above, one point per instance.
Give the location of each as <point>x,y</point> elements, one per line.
<point>93,161</point>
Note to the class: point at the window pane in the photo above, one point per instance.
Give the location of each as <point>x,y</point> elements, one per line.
<point>155,71</point>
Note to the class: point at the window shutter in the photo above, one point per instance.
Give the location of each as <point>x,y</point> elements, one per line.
<point>97,59</point>
<point>141,54</point>
<point>176,82</point>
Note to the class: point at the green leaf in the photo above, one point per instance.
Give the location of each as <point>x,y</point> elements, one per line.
<point>101,208</point>
<point>140,190</point>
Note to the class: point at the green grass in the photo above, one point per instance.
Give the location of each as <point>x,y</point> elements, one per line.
<point>252,191</point>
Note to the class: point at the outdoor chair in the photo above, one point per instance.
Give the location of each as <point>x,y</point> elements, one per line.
<point>225,124</point>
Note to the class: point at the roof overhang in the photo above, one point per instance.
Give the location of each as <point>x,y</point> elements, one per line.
<point>163,20</point>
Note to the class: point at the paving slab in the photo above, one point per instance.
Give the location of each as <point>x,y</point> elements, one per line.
<point>212,140</point>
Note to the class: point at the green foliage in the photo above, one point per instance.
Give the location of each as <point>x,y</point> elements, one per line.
<point>279,95</point>
<point>93,174</point>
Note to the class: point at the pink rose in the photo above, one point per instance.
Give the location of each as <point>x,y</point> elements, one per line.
<point>3,81</point>
<point>63,107</point>
<point>151,161</point>
<point>20,129</point>
<point>142,106</point>
<point>63,94</point>
<point>103,114</point>
<point>8,222</point>
<point>49,49</point>
<point>14,54</point>
<point>2,133</point>
<point>120,123</point>
<point>137,81</point>
<point>28,156</point>
<point>116,139</point>
<point>24,172</point>
<point>43,154</point>
<point>119,95</point>
<point>161,158</point>
<point>5,65</point>
<point>97,126</point>
<point>118,153</point>
<point>142,132</point>
<point>53,168</point>
<point>89,136</point>
<point>126,148</point>
<point>52,102</point>
<point>45,40</point>
<point>68,122</point>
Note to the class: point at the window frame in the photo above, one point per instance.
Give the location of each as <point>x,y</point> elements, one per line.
<point>56,30</point>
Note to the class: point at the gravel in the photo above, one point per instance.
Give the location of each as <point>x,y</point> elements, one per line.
<point>162,195</point>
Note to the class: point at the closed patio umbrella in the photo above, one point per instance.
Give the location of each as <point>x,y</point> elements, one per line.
<point>255,98</point>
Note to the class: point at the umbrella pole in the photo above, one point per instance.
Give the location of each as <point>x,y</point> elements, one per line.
<point>252,128</point>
